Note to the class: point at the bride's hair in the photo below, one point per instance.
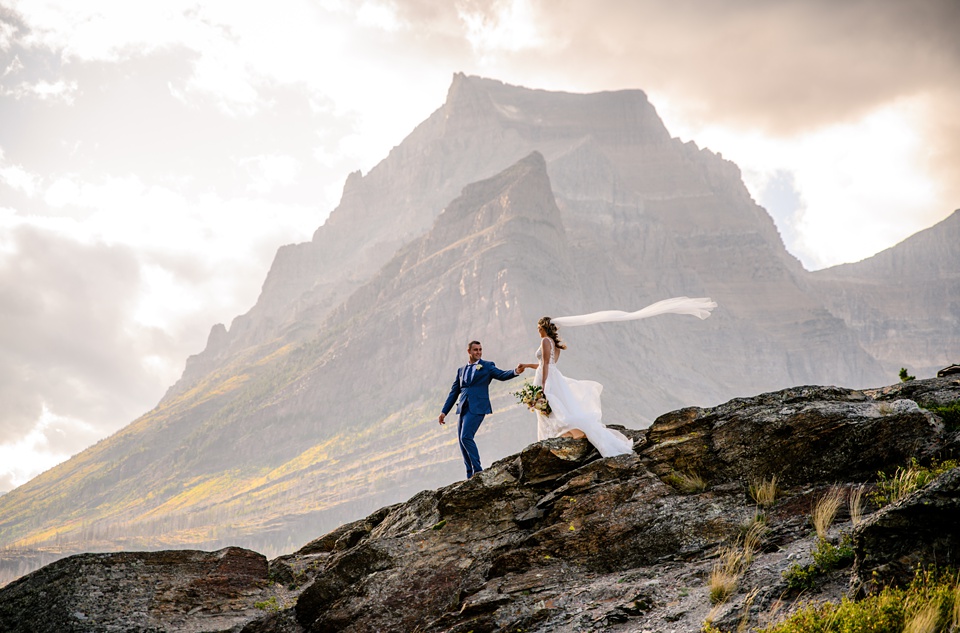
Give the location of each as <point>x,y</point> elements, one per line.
<point>551,331</point>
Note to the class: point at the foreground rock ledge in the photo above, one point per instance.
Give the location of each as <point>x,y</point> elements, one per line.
<point>558,539</point>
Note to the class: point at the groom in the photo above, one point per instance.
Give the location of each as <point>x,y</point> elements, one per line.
<point>470,392</point>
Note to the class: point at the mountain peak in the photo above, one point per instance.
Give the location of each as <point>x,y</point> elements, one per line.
<point>521,190</point>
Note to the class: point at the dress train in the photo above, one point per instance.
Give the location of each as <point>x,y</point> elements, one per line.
<point>575,405</point>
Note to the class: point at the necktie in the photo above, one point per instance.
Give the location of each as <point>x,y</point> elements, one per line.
<point>471,369</point>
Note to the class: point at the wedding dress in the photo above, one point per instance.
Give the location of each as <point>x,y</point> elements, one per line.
<point>575,405</point>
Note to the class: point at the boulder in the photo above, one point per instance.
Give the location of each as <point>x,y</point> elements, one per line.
<point>803,435</point>
<point>920,530</point>
<point>137,591</point>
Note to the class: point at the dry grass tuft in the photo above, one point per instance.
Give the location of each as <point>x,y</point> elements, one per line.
<point>855,504</point>
<point>955,611</point>
<point>764,491</point>
<point>826,510</point>
<point>924,620</point>
<point>752,541</point>
<point>903,483</point>
<point>687,482</point>
<point>884,408</point>
<point>743,624</point>
<point>722,585</point>
<point>715,610</point>
<point>732,562</point>
<point>726,574</point>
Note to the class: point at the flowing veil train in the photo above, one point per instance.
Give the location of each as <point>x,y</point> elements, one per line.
<point>699,307</point>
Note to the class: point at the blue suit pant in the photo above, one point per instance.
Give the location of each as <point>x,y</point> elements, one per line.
<point>466,428</point>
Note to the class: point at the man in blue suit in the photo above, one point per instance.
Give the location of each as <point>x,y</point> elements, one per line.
<point>470,391</point>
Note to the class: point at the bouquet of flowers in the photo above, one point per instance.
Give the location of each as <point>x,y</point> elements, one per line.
<point>532,396</point>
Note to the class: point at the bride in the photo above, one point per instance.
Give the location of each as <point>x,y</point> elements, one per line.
<point>574,404</point>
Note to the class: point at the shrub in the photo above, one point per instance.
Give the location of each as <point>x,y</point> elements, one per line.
<point>802,578</point>
<point>927,604</point>
<point>904,376</point>
<point>268,605</point>
<point>949,413</point>
<point>826,557</point>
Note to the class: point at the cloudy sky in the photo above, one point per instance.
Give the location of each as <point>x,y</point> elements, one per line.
<point>154,154</point>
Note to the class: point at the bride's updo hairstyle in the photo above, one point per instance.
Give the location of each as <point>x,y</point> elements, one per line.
<point>551,331</point>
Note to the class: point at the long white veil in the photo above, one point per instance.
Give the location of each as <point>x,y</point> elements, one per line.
<point>699,307</point>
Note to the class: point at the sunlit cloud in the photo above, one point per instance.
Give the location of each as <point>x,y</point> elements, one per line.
<point>268,172</point>
<point>380,15</point>
<point>18,178</point>
<point>53,439</point>
<point>506,26</point>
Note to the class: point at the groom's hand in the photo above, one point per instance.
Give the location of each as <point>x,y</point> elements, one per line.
<point>440,419</point>
<point>519,368</point>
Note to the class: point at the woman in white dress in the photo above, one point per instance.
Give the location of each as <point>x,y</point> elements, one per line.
<point>574,404</point>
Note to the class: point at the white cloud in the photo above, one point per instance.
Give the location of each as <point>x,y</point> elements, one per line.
<point>14,66</point>
<point>53,439</point>
<point>504,26</point>
<point>269,172</point>
<point>44,90</point>
<point>7,35</point>
<point>379,15</point>
<point>18,178</point>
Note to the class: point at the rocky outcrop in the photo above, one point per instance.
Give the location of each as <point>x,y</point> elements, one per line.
<point>919,530</point>
<point>840,434</point>
<point>557,538</point>
<point>177,590</point>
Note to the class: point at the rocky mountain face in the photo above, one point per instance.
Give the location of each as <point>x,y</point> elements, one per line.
<point>556,538</point>
<point>904,303</point>
<point>319,405</point>
<point>648,215</point>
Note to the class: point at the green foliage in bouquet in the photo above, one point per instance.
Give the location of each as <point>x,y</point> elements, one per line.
<point>532,396</point>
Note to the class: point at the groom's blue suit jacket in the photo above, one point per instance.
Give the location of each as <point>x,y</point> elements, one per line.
<point>475,392</point>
